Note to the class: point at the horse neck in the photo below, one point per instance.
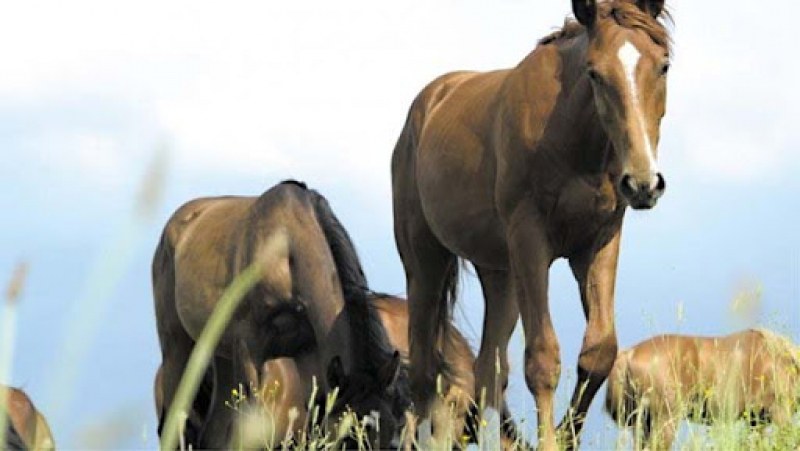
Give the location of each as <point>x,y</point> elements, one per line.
<point>371,347</point>
<point>581,145</point>
<point>324,303</point>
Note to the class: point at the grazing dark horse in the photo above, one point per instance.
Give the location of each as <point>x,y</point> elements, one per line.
<point>312,296</point>
<point>514,168</point>
<point>750,374</point>
<point>287,382</point>
<point>26,427</point>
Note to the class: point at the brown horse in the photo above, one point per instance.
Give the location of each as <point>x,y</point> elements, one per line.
<point>287,382</point>
<point>751,374</point>
<point>514,168</point>
<point>457,357</point>
<point>312,296</point>
<point>26,428</point>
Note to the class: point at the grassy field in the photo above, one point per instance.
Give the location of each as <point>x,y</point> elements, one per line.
<point>728,429</point>
<point>728,434</point>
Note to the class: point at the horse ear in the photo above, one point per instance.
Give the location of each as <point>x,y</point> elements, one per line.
<point>585,11</point>
<point>335,372</point>
<point>390,371</point>
<point>652,7</point>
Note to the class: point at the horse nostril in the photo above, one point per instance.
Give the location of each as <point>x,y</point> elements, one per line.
<point>661,184</point>
<point>628,185</point>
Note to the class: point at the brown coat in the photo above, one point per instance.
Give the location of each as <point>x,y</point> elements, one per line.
<point>512,169</point>
<point>658,382</point>
<point>27,428</point>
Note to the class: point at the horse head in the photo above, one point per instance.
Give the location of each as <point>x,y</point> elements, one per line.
<point>627,60</point>
<point>380,397</point>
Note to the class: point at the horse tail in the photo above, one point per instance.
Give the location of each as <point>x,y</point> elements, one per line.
<point>620,403</point>
<point>457,358</point>
<point>449,338</point>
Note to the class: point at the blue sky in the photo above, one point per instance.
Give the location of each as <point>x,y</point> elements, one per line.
<point>242,97</point>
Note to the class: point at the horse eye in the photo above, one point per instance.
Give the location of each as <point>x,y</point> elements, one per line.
<point>665,69</point>
<point>593,74</point>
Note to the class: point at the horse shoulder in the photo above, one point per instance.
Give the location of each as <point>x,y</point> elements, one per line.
<point>529,97</point>
<point>525,106</point>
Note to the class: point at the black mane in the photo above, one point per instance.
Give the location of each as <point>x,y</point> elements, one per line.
<point>370,338</point>
<point>295,182</point>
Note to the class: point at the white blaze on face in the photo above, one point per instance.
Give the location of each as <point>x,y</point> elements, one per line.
<point>629,56</point>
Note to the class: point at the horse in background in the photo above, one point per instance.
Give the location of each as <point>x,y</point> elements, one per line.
<point>752,374</point>
<point>515,168</point>
<point>26,428</point>
<point>312,297</point>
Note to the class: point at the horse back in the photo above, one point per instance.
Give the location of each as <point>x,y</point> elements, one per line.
<point>393,313</point>
<point>208,241</point>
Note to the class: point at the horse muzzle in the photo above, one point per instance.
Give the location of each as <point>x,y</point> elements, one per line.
<point>642,195</point>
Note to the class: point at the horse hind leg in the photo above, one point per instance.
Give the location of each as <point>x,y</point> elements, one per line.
<point>176,344</point>
<point>426,311</point>
<point>431,271</point>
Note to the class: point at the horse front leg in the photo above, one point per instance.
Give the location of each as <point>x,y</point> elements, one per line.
<point>500,317</point>
<point>595,272</point>
<point>530,260</point>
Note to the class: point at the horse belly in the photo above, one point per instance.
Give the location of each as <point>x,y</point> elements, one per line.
<point>473,236</point>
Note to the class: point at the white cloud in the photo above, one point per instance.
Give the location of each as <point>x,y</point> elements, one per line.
<point>73,153</point>
<point>303,87</point>
<point>732,106</point>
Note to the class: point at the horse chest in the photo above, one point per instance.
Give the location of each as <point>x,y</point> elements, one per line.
<point>581,214</point>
